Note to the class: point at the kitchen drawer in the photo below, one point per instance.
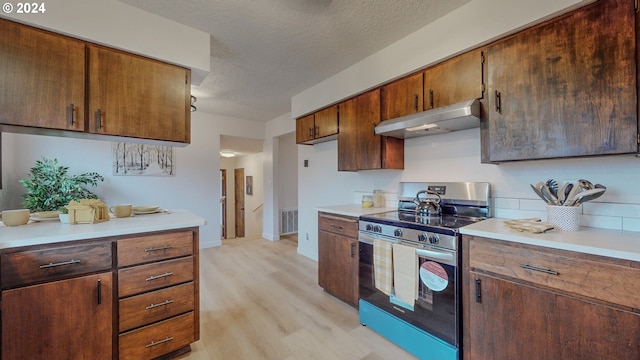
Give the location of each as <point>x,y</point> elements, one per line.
<point>343,225</point>
<point>154,306</point>
<point>158,339</point>
<point>146,249</point>
<point>596,277</point>
<point>53,263</point>
<point>143,278</point>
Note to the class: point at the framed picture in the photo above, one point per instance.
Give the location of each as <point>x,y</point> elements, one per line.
<point>141,159</point>
<point>249,185</point>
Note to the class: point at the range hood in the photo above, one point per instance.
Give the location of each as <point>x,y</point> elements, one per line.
<point>460,116</point>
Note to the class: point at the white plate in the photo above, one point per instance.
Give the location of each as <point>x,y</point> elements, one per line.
<point>144,209</point>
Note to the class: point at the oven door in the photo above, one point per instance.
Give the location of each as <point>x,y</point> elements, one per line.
<point>437,307</point>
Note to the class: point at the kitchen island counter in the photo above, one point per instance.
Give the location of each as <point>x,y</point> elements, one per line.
<point>46,232</point>
<point>611,243</point>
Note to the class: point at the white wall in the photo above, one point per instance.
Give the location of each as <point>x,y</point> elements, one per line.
<point>195,187</point>
<point>288,171</point>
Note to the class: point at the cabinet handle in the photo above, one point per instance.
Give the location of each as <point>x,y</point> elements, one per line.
<point>337,227</point>
<point>415,102</point>
<point>164,303</point>
<point>353,250</point>
<point>316,131</point>
<point>478,291</point>
<point>156,277</point>
<point>99,122</point>
<point>166,247</point>
<point>50,265</point>
<point>71,110</point>
<point>154,343</point>
<point>431,98</point>
<point>535,268</point>
<point>311,130</point>
<point>99,291</point>
<point>498,102</point>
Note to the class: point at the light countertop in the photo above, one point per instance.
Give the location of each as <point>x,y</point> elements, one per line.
<point>611,243</point>
<point>38,233</point>
<point>355,210</point>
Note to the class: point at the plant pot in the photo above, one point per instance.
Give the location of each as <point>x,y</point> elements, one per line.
<point>64,218</point>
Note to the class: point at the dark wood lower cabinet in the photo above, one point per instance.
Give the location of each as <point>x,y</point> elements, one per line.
<point>513,321</point>
<point>534,303</point>
<point>338,257</point>
<point>66,319</point>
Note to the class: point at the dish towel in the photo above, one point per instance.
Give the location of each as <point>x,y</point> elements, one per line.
<point>382,265</point>
<point>405,273</point>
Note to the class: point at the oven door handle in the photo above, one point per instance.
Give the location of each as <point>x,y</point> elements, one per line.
<point>436,255</point>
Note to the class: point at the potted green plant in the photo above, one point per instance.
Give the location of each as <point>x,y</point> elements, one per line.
<point>50,187</point>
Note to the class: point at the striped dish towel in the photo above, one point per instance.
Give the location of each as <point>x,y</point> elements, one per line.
<point>383,265</point>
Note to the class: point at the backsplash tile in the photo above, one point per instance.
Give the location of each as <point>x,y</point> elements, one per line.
<point>612,216</point>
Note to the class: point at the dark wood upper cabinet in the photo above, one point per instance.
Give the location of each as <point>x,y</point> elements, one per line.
<point>455,80</point>
<point>564,88</point>
<point>144,98</point>
<point>318,127</point>
<point>54,82</point>
<point>42,78</point>
<point>359,148</point>
<point>402,97</point>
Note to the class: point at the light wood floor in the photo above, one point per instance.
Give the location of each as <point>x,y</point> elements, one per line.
<point>260,300</point>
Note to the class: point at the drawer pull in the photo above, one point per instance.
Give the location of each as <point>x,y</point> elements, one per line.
<point>337,227</point>
<point>50,265</point>
<point>535,268</point>
<point>164,303</point>
<point>151,278</point>
<point>166,247</point>
<point>154,343</point>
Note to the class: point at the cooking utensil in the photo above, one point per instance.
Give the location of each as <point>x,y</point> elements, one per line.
<point>553,200</point>
<point>588,195</point>
<point>585,184</point>
<point>553,186</point>
<point>563,191</point>
<point>539,193</point>
<point>575,189</point>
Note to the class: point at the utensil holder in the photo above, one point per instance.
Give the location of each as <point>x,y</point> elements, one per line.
<point>564,218</point>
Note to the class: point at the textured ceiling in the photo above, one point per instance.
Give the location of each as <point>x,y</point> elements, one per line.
<point>265,51</point>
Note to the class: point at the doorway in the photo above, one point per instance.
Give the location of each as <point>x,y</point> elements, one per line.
<point>238,181</point>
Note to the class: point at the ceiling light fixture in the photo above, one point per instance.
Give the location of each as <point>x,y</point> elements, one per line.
<point>193,101</point>
<point>227,154</point>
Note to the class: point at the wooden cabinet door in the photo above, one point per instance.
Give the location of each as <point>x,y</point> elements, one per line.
<point>326,122</point>
<point>305,129</point>
<point>564,88</point>
<point>66,319</point>
<point>402,97</point>
<point>338,266</point>
<point>138,97</point>
<point>511,321</point>
<point>453,81</point>
<point>359,148</point>
<point>42,78</point>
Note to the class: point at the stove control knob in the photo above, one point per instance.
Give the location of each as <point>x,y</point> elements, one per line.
<point>397,232</point>
<point>377,229</point>
<point>434,239</point>
<point>423,237</point>
<point>369,227</point>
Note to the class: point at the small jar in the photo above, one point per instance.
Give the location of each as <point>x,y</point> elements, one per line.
<point>378,198</point>
<point>367,201</point>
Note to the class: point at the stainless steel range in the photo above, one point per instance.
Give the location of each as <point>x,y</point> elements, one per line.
<point>409,273</point>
